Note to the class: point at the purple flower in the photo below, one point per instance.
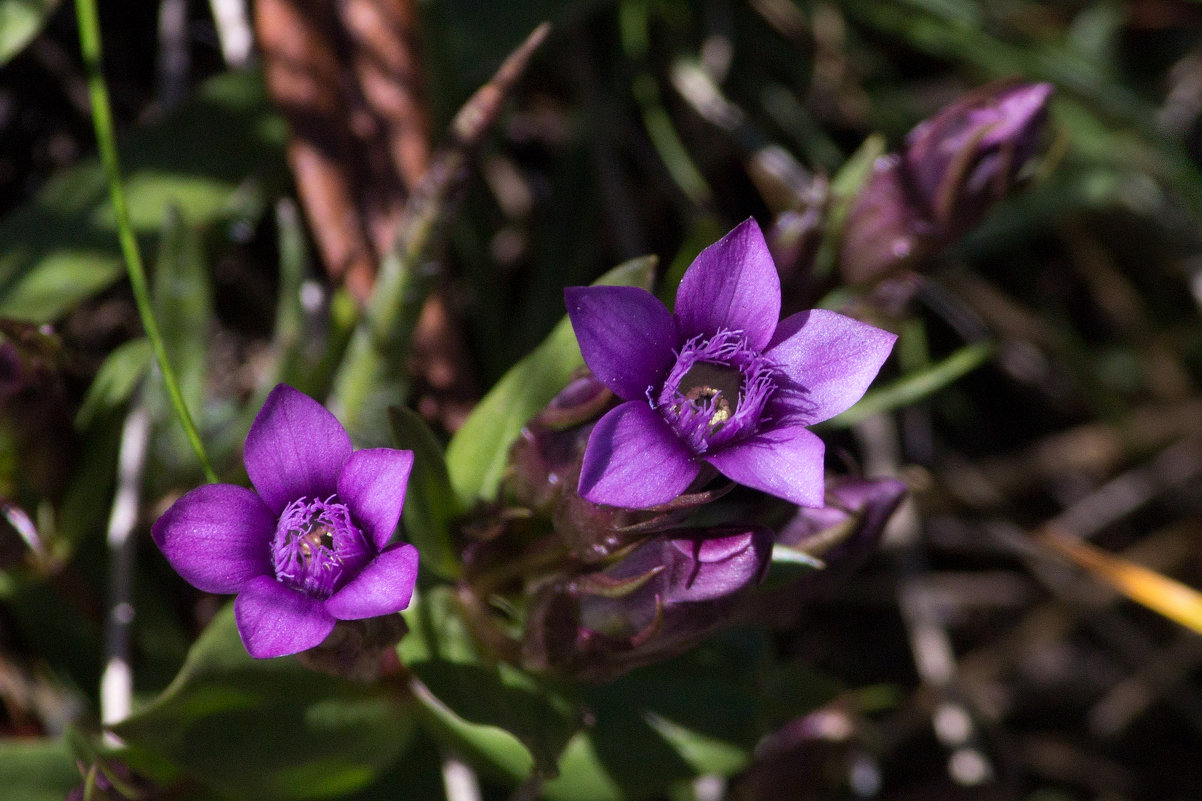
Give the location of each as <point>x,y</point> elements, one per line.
<point>309,546</point>
<point>720,381</point>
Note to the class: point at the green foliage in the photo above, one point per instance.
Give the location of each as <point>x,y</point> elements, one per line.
<point>116,380</point>
<point>480,689</point>
<point>62,248</point>
<point>478,452</point>
<point>430,502</point>
<point>268,729</point>
<point>469,687</point>
<point>699,714</point>
<point>916,385</point>
<point>20,22</point>
<point>37,770</point>
<point>183,302</point>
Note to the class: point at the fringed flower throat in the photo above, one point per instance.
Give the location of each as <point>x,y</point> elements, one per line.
<point>317,548</point>
<point>716,391</point>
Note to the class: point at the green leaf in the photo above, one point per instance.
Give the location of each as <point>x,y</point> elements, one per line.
<point>917,385</point>
<point>20,22</point>
<point>846,184</point>
<point>115,380</point>
<point>37,770</point>
<point>61,248</point>
<point>183,303</point>
<point>294,361</point>
<point>701,713</point>
<point>417,776</point>
<point>481,703</point>
<point>430,502</point>
<point>489,749</point>
<point>856,171</point>
<point>479,451</point>
<point>268,729</point>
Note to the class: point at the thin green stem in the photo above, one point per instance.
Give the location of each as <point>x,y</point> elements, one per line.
<point>916,385</point>
<point>102,119</point>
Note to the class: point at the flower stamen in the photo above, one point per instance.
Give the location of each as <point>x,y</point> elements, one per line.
<point>717,390</point>
<point>316,545</point>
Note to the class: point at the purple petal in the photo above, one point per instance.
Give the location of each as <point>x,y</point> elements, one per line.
<point>276,621</point>
<point>384,586</point>
<point>295,449</point>
<point>372,484</point>
<point>785,462</point>
<point>626,336</point>
<point>832,359</point>
<point>712,563</point>
<point>731,285</point>
<point>218,537</point>
<point>634,460</point>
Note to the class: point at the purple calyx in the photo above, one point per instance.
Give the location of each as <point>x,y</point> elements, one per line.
<point>316,547</point>
<point>716,390</point>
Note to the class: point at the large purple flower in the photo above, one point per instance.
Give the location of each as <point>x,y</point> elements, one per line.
<point>718,381</point>
<point>309,546</point>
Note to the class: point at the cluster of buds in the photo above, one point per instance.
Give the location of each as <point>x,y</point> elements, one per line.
<point>953,167</point>
<point>659,600</point>
<point>607,589</point>
<point>598,546</point>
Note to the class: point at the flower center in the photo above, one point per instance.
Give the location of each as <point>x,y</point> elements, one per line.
<point>317,548</point>
<point>716,391</point>
<point>713,389</point>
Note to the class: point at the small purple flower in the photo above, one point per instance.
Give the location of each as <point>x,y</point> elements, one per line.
<point>309,546</point>
<point>720,381</point>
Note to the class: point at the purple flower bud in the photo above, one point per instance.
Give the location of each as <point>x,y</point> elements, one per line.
<point>954,166</point>
<point>111,781</point>
<point>807,759</point>
<point>794,239</point>
<point>844,532</point>
<point>968,155</point>
<point>546,457</point>
<point>545,469</point>
<point>309,546</point>
<point>658,601</point>
<point>360,650</point>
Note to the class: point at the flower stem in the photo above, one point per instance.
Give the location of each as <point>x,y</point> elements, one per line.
<point>102,120</point>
